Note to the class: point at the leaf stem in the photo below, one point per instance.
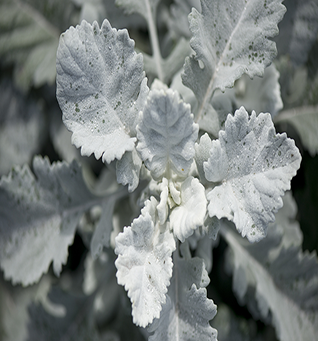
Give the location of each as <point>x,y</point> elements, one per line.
<point>151,14</point>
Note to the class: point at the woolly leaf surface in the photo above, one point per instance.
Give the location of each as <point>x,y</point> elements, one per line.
<point>252,166</point>
<point>144,264</point>
<point>166,134</point>
<point>229,39</point>
<point>186,314</point>
<point>190,214</point>
<point>100,88</point>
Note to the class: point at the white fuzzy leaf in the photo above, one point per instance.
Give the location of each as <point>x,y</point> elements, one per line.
<point>254,166</point>
<point>190,214</point>
<point>38,218</point>
<point>144,265</point>
<point>285,286</point>
<point>162,208</point>
<point>230,38</point>
<point>186,314</point>
<point>100,81</point>
<point>202,153</point>
<point>166,134</point>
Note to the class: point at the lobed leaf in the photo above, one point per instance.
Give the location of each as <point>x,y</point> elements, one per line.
<point>229,39</point>
<point>100,88</point>
<point>283,280</point>
<point>144,264</point>
<point>252,167</point>
<point>166,134</point>
<point>186,314</point>
<point>39,215</point>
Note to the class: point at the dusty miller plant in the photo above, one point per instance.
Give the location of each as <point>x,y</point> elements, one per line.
<point>191,155</point>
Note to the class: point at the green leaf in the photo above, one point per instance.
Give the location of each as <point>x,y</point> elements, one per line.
<point>229,39</point>
<point>101,87</point>
<point>39,215</point>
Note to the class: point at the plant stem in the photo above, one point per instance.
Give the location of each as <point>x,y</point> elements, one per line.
<point>151,14</point>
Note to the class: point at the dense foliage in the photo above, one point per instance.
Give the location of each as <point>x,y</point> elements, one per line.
<point>176,216</point>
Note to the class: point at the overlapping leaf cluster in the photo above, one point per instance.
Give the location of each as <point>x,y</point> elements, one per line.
<point>185,163</point>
